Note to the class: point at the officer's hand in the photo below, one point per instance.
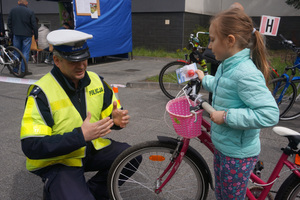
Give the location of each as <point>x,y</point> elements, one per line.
<point>97,129</point>
<point>217,117</point>
<point>120,117</point>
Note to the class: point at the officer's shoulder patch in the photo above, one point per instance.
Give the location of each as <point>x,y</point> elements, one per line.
<point>35,91</point>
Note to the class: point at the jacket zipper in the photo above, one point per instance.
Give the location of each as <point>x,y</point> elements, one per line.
<point>80,106</point>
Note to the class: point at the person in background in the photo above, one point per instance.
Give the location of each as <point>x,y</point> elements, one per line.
<point>68,113</point>
<point>241,98</point>
<point>22,23</point>
<point>43,42</point>
<point>43,32</point>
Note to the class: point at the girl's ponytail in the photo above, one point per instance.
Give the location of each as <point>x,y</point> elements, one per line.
<point>259,54</point>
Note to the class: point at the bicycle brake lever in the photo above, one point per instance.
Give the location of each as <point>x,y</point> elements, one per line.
<point>195,108</point>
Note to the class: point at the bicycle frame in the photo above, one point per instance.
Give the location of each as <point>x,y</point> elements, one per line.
<point>206,140</point>
<point>3,50</point>
<point>274,175</point>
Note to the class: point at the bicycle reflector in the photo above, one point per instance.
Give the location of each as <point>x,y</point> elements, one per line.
<point>297,159</point>
<point>156,158</point>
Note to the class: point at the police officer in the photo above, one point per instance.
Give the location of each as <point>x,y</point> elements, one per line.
<point>67,114</point>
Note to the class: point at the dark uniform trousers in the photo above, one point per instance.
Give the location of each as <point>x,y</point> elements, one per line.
<point>69,183</point>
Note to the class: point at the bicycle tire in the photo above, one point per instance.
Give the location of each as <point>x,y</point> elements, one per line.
<point>289,189</point>
<point>294,112</point>
<point>189,182</point>
<point>168,79</point>
<point>16,59</point>
<point>288,99</point>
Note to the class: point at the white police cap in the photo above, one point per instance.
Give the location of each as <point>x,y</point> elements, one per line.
<point>70,44</point>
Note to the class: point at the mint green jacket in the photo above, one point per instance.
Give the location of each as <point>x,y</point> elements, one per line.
<point>240,89</point>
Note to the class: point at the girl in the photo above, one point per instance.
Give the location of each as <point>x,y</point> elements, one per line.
<point>242,100</point>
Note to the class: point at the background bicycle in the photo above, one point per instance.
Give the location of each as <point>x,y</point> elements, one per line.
<point>12,58</point>
<point>167,76</point>
<point>286,89</point>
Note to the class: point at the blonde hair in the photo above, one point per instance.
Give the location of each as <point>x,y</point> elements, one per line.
<point>237,23</point>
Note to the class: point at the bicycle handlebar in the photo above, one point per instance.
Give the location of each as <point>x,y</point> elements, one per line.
<point>191,91</point>
<point>200,32</point>
<point>206,106</point>
<point>289,44</point>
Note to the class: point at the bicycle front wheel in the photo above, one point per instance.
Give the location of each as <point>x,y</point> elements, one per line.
<point>168,79</point>
<point>284,98</point>
<point>14,61</point>
<point>189,182</point>
<point>290,189</point>
<point>294,112</point>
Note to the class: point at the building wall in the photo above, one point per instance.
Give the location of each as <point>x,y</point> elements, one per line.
<point>150,30</point>
<point>252,8</point>
<point>151,15</point>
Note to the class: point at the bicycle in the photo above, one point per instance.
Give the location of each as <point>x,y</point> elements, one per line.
<point>286,89</point>
<point>167,76</point>
<point>200,55</point>
<point>171,169</point>
<point>12,58</point>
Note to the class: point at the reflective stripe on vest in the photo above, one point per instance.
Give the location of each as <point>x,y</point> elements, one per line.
<point>62,108</point>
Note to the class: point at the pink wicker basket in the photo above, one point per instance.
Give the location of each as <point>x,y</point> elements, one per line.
<point>183,120</point>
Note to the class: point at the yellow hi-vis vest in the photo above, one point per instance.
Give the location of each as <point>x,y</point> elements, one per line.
<point>65,117</point>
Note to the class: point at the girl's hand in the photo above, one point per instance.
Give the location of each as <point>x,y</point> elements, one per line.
<point>200,74</point>
<point>217,117</point>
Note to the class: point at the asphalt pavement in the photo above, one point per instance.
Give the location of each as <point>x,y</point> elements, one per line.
<point>145,102</point>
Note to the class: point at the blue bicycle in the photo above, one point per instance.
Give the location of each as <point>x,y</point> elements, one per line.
<point>286,89</point>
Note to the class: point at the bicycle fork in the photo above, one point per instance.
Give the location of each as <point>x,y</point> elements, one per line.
<point>173,165</point>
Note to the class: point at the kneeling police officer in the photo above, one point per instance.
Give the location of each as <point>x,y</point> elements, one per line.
<point>67,114</point>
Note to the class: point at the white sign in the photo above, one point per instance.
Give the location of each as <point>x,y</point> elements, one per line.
<point>269,25</point>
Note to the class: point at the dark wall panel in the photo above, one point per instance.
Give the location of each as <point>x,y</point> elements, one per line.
<point>149,29</point>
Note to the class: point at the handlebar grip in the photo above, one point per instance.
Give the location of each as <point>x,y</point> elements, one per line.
<point>208,107</point>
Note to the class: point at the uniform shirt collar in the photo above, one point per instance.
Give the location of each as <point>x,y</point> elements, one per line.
<point>66,83</point>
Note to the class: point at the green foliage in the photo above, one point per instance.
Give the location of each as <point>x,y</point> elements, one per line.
<point>141,51</point>
<point>294,3</point>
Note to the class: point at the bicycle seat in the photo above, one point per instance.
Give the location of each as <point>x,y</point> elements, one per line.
<point>292,135</point>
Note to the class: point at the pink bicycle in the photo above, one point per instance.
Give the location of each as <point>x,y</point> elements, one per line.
<point>171,169</point>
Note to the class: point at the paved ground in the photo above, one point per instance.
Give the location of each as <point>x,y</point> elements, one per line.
<point>145,102</point>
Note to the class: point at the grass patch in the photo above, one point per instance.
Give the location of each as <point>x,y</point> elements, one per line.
<point>140,51</point>
<point>279,59</point>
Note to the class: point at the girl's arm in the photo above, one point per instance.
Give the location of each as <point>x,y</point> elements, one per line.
<point>207,81</point>
<point>261,109</point>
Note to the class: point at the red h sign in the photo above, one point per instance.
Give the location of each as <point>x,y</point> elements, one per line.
<point>269,25</point>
